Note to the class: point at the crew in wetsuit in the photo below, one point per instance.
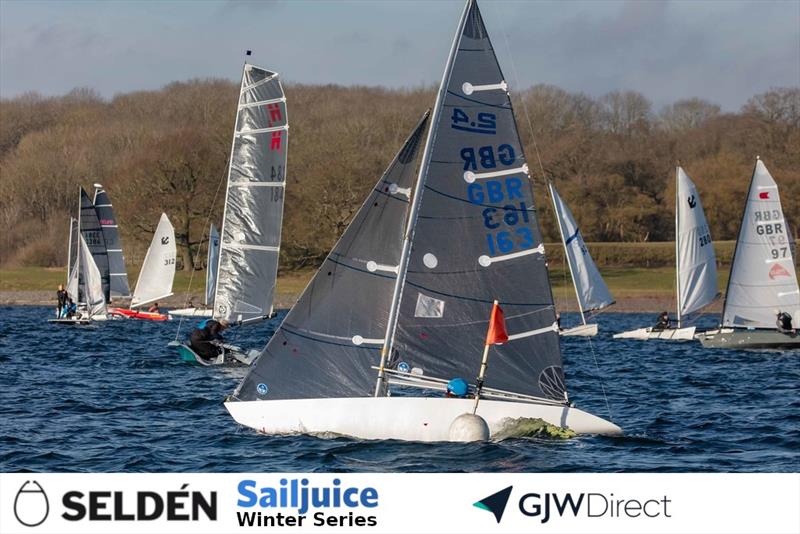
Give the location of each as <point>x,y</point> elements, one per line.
<point>663,322</point>
<point>205,339</point>
<point>784,323</point>
<point>62,297</point>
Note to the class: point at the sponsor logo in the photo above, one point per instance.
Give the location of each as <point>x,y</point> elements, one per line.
<point>778,270</point>
<point>31,506</point>
<point>181,505</point>
<point>495,503</point>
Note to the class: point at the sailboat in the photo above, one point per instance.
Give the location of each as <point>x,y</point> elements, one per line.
<point>400,305</point>
<point>118,276</point>
<point>763,279</point>
<point>156,276</point>
<point>247,264</point>
<point>590,288</point>
<point>91,230</point>
<point>212,264</point>
<point>695,262</point>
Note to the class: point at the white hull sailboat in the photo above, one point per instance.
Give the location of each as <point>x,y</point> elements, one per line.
<point>398,309</point>
<point>590,288</point>
<point>695,262</point>
<point>763,277</point>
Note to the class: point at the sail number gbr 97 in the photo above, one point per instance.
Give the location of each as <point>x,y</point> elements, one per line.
<point>505,212</point>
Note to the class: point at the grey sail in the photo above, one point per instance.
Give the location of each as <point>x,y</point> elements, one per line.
<point>251,226</point>
<point>212,264</point>
<point>591,289</point>
<point>763,277</point>
<point>333,335</point>
<point>92,233</point>
<point>477,238</point>
<point>116,260</point>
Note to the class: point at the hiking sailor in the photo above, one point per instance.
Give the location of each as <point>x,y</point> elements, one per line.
<point>663,322</point>
<point>206,340</point>
<point>784,323</point>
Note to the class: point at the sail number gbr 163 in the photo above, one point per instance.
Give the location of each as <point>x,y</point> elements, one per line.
<point>505,212</point>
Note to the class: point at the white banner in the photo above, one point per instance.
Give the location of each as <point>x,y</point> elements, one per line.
<point>394,503</point>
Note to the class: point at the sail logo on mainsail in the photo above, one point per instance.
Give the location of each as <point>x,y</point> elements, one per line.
<point>274,114</point>
<point>692,201</point>
<point>764,195</point>
<point>275,144</point>
<point>778,270</point>
<point>165,240</point>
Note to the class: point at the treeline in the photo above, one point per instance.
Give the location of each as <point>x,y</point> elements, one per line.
<point>612,159</point>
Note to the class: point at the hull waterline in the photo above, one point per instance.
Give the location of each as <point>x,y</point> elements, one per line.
<point>729,338</point>
<point>670,334</point>
<point>584,330</point>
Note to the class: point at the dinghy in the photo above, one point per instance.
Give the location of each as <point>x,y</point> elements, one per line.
<point>763,278</point>
<point>212,260</point>
<point>230,355</point>
<point>92,232</point>
<point>695,262</point>
<point>118,276</point>
<point>157,274</point>
<point>590,288</point>
<point>87,283</point>
<point>400,305</point>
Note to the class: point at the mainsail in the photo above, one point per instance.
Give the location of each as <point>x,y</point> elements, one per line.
<point>330,338</point>
<point>92,281</point>
<point>696,262</point>
<point>591,289</point>
<point>477,237</point>
<point>116,260</point>
<point>251,226</point>
<point>212,264</point>
<point>73,266</point>
<point>763,277</point>
<point>158,270</point>
<point>92,233</point>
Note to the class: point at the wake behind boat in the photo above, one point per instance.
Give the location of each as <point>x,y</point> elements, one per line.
<point>763,281</point>
<point>399,306</point>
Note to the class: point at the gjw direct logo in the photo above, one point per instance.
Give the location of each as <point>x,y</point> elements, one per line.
<point>546,506</point>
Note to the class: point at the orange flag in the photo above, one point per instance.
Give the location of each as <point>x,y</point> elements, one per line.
<point>497,334</point>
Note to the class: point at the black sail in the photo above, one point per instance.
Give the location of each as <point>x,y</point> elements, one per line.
<point>477,238</point>
<point>92,233</point>
<point>328,342</point>
<point>116,260</point>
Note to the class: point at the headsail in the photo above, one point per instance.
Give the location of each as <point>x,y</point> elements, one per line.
<point>477,238</point>
<point>763,277</point>
<point>158,270</point>
<point>212,264</point>
<point>116,260</point>
<point>591,289</point>
<point>92,281</point>
<point>330,338</point>
<point>92,233</point>
<point>72,259</point>
<point>696,262</point>
<point>251,226</point>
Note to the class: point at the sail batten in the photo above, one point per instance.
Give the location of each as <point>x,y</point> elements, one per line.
<point>251,226</point>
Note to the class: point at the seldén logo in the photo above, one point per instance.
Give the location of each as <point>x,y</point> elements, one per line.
<point>495,503</point>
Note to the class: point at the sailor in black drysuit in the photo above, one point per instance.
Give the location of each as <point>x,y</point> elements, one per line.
<point>205,341</point>
<point>62,297</point>
<point>663,322</point>
<point>784,323</point>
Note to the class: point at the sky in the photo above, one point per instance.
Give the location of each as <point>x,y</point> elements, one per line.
<point>722,51</point>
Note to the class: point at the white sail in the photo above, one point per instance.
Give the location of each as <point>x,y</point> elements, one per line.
<point>212,264</point>
<point>763,278</point>
<point>697,264</point>
<point>158,270</point>
<point>93,282</point>
<point>72,259</point>
<point>592,291</point>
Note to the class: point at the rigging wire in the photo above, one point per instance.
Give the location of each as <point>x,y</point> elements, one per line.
<point>544,180</point>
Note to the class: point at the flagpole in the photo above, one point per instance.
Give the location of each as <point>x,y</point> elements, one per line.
<point>484,365</point>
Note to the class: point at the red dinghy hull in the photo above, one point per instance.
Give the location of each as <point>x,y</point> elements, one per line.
<point>135,314</point>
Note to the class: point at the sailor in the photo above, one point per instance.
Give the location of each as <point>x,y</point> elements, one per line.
<point>206,341</point>
<point>784,323</point>
<point>558,321</point>
<point>663,322</point>
<point>457,387</point>
<point>154,308</point>
<point>70,309</point>
<point>62,297</point>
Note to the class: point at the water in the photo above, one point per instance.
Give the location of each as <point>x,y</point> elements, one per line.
<point>113,397</point>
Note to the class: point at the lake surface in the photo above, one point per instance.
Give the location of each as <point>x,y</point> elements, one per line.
<point>114,397</point>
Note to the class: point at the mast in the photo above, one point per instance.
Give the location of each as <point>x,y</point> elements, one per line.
<point>677,243</point>
<point>80,250</point>
<point>69,248</point>
<point>566,252</point>
<point>391,325</point>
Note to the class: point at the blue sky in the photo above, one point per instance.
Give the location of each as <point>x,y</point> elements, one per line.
<point>720,50</point>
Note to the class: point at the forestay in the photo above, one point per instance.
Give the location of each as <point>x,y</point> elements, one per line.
<point>116,260</point>
<point>158,270</point>
<point>696,262</point>
<point>763,277</point>
<point>251,226</point>
<point>92,281</point>
<point>332,336</point>
<point>212,264</point>
<point>477,237</point>
<point>591,289</point>
<point>92,233</point>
